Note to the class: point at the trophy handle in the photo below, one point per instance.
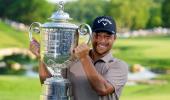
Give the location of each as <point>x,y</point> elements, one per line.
<point>85,29</point>
<point>34,27</point>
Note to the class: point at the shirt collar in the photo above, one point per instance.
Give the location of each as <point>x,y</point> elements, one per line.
<point>107,57</point>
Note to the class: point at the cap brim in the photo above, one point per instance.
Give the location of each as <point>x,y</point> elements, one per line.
<point>104,30</point>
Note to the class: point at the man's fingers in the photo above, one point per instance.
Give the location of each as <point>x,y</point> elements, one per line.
<point>35,47</point>
<point>81,50</point>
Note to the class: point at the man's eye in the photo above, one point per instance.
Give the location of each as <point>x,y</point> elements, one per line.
<point>108,36</point>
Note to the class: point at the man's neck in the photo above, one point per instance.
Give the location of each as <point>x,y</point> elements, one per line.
<point>95,56</point>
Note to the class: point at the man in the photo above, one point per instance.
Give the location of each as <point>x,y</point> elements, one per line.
<point>96,75</point>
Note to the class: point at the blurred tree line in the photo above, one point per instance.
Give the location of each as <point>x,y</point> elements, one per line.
<point>129,14</point>
<point>25,11</point>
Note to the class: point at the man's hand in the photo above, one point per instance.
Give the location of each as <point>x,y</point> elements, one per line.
<point>81,51</point>
<point>35,48</point>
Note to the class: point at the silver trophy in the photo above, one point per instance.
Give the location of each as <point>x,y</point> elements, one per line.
<point>57,39</point>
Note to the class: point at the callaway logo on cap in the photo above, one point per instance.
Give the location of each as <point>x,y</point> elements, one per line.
<point>104,23</point>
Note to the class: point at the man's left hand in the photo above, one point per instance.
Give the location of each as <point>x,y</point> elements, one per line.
<point>81,51</point>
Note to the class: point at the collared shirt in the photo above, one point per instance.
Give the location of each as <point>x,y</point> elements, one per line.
<point>112,69</point>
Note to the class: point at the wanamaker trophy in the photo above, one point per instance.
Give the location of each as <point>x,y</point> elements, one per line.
<point>57,38</point>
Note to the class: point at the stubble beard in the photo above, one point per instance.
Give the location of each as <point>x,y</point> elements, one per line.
<point>99,52</point>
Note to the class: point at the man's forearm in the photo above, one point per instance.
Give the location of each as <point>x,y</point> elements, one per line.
<point>97,81</point>
<point>43,72</point>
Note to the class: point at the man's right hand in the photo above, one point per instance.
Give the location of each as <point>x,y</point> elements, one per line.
<point>43,71</point>
<point>35,48</point>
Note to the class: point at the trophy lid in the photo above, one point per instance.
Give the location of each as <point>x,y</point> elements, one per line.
<point>60,15</point>
<point>60,19</point>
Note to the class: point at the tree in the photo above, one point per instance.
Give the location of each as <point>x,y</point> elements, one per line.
<point>155,17</point>
<point>130,14</point>
<point>84,11</point>
<point>25,11</point>
<point>155,14</point>
<point>166,13</point>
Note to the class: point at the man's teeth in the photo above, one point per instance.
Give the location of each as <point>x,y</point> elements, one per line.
<point>102,46</point>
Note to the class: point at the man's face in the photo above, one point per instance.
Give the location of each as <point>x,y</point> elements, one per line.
<point>102,42</point>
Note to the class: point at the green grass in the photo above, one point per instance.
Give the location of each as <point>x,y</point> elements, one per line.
<point>11,37</point>
<point>147,92</point>
<point>19,88</point>
<point>24,88</point>
<point>150,51</point>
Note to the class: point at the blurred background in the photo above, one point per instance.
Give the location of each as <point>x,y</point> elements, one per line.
<point>143,42</point>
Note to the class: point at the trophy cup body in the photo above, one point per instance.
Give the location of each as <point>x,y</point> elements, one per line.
<point>57,39</point>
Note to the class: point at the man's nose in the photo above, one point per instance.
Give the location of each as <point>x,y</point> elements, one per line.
<point>102,39</point>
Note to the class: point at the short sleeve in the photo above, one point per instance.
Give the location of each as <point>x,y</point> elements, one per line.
<point>117,75</point>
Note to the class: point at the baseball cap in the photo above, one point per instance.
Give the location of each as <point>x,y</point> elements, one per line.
<point>104,23</point>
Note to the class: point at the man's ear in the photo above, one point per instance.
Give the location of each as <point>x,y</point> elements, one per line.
<point>115,37</point>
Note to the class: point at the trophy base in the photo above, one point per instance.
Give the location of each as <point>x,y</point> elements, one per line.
<point>56,88</point>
